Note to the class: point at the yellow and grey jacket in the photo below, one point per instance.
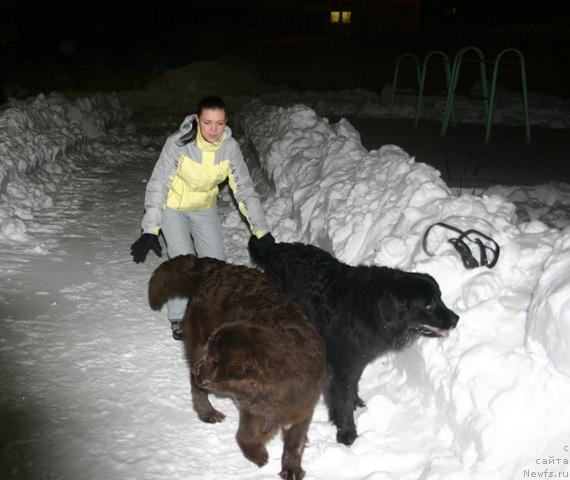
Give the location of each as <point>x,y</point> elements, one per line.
<point>187,177</point>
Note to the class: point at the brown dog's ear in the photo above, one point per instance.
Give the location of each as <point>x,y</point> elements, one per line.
<point>224,339</point>
<point>233,335</point>
<point>236,355</point>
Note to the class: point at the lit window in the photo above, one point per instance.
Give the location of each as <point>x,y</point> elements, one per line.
<point>335,17</point>
<point>346,16</point>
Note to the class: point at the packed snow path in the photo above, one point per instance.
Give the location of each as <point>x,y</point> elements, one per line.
<point>93,385</point>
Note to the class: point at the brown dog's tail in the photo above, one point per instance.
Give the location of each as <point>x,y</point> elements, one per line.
<point>174,278</point>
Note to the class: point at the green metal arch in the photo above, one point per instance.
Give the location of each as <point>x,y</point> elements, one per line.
<point>455,77</point>
<point>493,91</point>
<point>445,60</point>
<point>395,79</point>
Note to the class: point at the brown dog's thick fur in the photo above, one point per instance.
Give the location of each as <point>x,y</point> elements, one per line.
<point>245,339</point>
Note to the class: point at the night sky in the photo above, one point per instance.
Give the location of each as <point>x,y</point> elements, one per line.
<point>43,40</point>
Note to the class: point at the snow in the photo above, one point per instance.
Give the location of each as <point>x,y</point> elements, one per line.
<point>93,386</point>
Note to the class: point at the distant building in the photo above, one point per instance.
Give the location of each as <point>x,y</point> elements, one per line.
<point>317,21</point>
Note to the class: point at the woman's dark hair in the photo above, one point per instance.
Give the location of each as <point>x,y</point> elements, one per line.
<point>211,102</point>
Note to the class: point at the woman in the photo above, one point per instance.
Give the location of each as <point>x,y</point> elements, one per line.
<point>181,194</point>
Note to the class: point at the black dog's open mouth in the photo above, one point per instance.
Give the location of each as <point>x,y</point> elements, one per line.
<point>429,331</point>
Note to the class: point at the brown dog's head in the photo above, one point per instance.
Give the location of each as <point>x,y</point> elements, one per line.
<point>232,361</point>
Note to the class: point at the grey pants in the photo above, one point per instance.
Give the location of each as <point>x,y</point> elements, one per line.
<point>199,233</point>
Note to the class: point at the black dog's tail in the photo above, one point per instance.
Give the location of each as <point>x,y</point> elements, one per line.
<point>259,248</point>
<point>174,278</point>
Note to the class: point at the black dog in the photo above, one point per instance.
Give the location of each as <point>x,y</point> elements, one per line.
<point>361,312</point>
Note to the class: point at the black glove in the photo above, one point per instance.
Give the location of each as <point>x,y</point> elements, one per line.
<point>140,248</point>
<point>267,239</point>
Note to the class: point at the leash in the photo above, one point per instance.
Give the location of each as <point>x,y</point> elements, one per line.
<point>460,244</point>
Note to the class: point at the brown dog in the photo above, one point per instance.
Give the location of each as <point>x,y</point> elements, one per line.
<point>245,339</point>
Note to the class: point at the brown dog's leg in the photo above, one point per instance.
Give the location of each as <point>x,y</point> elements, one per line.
<point>294,439</point>
<point>194,352</point>
<point>251,438</point>
<point>202,405</point>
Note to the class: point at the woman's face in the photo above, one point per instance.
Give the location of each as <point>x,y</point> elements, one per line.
<point>212,122</point>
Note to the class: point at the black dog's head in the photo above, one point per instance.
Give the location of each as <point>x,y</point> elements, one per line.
<point>418,299</point>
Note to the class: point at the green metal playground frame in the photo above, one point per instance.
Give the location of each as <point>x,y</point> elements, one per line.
<point>452,77</point>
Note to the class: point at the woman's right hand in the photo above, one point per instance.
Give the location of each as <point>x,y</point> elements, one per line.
<point>146,242</point>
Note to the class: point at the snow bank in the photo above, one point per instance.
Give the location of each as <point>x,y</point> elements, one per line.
<point>495,404</point>
<point>36,140</point>
<point>359,204</point>
<point>549,203</point>
<point>548,317</point>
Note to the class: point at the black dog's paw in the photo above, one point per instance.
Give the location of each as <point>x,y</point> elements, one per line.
<point>346,436</point>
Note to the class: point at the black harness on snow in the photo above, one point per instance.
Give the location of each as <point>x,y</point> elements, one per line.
<point>474,237</point>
